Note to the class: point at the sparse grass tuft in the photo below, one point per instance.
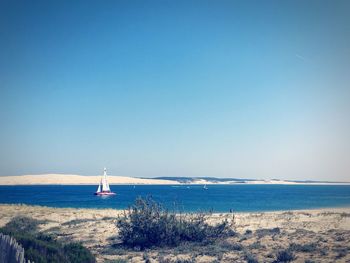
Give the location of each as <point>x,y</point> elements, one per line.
<point>255,245</point>
<point>311,247</point>
<point>75,222</point>
<point>231,246</point>
<point>23,224</point>
<point>344,215</point>
<point>265,232</point>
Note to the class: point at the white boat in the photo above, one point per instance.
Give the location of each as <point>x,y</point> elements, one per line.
<point>103,187</point>
<point>205,187</point>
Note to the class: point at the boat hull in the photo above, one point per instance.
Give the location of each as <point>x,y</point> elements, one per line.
<point>104,193</point>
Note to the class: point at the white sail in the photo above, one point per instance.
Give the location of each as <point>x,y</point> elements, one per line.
<point>105,185</point>
<point>99,187</point>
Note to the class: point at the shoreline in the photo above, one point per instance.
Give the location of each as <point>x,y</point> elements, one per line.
<point>177,184</point>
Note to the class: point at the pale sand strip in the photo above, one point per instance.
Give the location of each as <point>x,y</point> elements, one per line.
<point>71,179</point>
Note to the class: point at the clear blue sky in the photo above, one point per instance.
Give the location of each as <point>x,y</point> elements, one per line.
<point>247,89</point>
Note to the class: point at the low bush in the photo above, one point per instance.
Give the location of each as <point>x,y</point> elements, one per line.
<point>250,258</point>
<point>41,248</point>
<point>248,232</point>
<point>311,247</point>
<point>256,245</point>
<point>266,231</point>
<point>341,252</point>
<point>147,224</point>
<point>23,224</point>
<point>231,246</point>
<point>77,253</point>
<point>284,256</point>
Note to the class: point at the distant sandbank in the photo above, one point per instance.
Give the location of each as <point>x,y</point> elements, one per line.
<point>71,179</point>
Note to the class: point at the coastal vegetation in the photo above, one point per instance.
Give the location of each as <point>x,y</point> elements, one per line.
<point>43,248</point>
<point>284,256</point>
<point>10,250</point>
<point>148,224</point>
<point>294,236</point>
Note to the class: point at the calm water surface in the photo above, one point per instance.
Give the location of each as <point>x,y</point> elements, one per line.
<point>219,198</point>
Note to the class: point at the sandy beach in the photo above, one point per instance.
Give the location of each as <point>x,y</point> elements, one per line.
<point>315,235</point>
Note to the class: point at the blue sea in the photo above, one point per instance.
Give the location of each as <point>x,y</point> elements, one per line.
<point>193,198</point>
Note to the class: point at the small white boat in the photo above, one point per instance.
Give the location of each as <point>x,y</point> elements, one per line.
<point>205,187</point>
<point>103,187</point>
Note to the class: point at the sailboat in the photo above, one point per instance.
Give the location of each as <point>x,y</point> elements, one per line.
<point>205,187</point>
<point>103,187</point>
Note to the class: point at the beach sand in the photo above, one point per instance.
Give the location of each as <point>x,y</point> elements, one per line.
<point>316,235</point>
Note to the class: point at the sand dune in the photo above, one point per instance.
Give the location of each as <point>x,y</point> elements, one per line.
<point>70,179</point>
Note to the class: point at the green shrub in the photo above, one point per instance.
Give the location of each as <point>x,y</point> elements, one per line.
<point>250,258</point>
<point>41,248</point>
<point>23,224</point>
<point>248,232</point>
<point>77,253</point>
<point>148,224</point>
<point>284,256</point>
